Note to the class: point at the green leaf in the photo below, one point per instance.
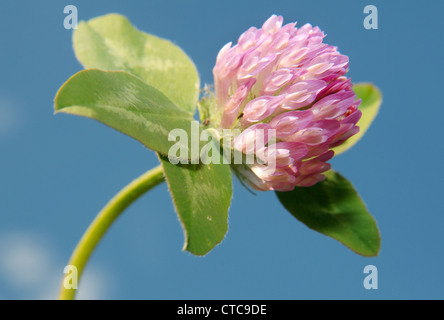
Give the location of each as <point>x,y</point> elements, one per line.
<point>201,195</point>
<point>371,100</point>
<point>110,42</point>
<point>127,104</point>
<point>334,208</point>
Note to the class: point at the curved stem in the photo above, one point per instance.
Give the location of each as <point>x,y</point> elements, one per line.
<point>104,220</point>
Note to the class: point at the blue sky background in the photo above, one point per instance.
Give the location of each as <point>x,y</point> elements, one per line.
<point>56,172</point>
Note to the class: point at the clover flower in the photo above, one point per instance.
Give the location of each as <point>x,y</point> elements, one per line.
<point>285,79</point>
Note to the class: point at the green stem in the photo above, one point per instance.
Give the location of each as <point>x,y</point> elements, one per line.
<point>105,219</point>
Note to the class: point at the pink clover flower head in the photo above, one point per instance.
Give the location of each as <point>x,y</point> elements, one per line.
<point>286,79</point>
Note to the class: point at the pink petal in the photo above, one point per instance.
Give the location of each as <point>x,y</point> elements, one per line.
<point>273,24</point>
<point>290,122</point>
<point>253,138</point>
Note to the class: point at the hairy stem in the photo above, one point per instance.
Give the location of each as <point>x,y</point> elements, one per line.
<point>104,220</point>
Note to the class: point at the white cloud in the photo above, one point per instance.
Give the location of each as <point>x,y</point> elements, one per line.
<point>94,284</point>
<point>24,262</point>
<point>28,266</point>
<point>10,117</point>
